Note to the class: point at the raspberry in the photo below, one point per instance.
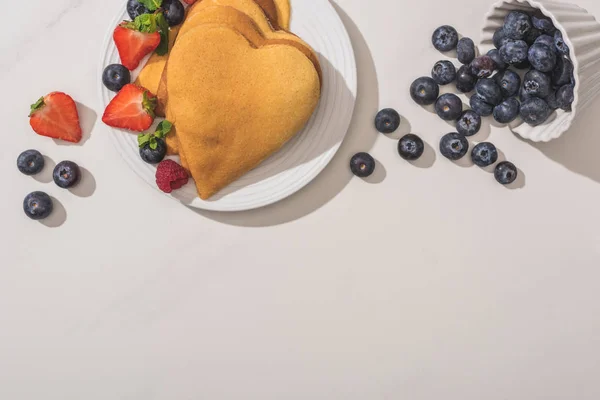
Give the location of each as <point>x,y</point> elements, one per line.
<point>170,176</point>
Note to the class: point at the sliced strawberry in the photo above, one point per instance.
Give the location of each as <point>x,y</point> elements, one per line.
<point>133,45</point>
<point>132,108</point>
<point>55,116</point>
<point>189,1</point>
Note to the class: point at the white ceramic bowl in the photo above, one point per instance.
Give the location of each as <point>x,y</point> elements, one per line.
<point>581,32</point>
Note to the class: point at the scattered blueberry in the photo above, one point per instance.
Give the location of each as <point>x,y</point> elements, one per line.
<point>546,40</point>
<point>563,73</point>
<point>449,107</point>
<point>565,97</point>
<point>500,38</point>
<point>443,72</point>
<point>387,120</point>
<point>536,84</point>
<point>37,205</point>
<point>506,173</point>
<point>154,156</point>
<point>174,12</point>
<point>115,76</point>
<point>516,25</point>
<point>362,165</point>
<point>535,111</point>
<point>543,23</point>
<point>469,123</point>
<point>66,174</point>
<point>30,162</point>
<point>479,105</point>
<point>542,57</point>
<point>494,54</point>
<point>560,44</point>
<point>483,67</point>
<point>411,147</point>
<point>454,146</point>
<point>484,154</point>
<point>514,52</point>
<point>465,81</point>
<point>465,50</point>
<point>445,38</point>
<point>507,111</point>
<point>489,91</point>
<point>509,82</point>
<point>532,36</point>
<point>424,91</point>
<point>135,9</point>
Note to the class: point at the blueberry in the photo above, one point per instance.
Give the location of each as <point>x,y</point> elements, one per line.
<point>507,111</point>
<point>500,38</point>
<point>532,36</point>
<point>465,50</point>
<point>563,73</point>
<point>483,67</point>
<point>66,174</point>
<point>560,44</point>
<point>454,146</point>
<point>505,173</point>
<point>543,23</point>
<point>552,100</point>
<point>479,105</point>
<point>449,107</point>
<point>30,162</point>
<point>565,97</point>
<point>135,9</point>
<point>535,111</point>
<point>469,123</point>
<point>536,84</point>
<point>154,156</point>
<point>514,52</point>
<point>174,12</point>
<point>387,120</point>
<point>38,205</point>
<point>494,54</point>
<point>509,82</point>
<point>411,147</point>
<point>541,57</point>
<point>424,91</point>
<point>362,165</point>
<point>465,80</point>
<point>523,65</point>
<point>546,40</point>
<point>484,154</point>
<point>517,25</point>
<point>115,76</point>
<point>489,91</point>
<point>443,72</point>
<point>445,38</point>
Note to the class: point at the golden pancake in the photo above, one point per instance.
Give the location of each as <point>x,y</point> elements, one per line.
<point>151,74</point>
<point>284,13</point>
<point>234,104</point>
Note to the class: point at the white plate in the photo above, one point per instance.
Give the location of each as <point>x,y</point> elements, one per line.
<point>305,156</point>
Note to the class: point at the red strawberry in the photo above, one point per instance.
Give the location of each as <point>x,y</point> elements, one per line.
<point>189,1</point>
<point>133,45</point>
<point>132,108</point>
<point>55,116</point>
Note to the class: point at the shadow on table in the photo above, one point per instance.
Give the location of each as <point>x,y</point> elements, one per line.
<point>577,149</point>
<point>360,137</point>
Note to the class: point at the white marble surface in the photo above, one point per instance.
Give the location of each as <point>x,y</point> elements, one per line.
<point>426,283</point>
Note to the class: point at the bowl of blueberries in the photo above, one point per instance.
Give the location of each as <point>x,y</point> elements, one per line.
<point>546,62</point>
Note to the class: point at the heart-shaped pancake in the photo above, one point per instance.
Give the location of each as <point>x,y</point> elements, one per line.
<point>284,13</point>
<point>234,104</point>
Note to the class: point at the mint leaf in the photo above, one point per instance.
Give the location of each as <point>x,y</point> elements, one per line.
<point>153,142</point>
<point>151,5</point>
<point>143,139</point>
<point>146,23</point>
<point>37,106</point>
<point>163,129</point>
<point>163,28</point>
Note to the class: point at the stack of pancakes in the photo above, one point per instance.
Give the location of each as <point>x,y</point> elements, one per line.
<point>236,85</point>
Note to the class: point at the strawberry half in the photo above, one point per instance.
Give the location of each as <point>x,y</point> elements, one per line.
<point>189,1</point>
<point>55,116</point>
<point>134,45</point>
<point>132,108</point>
